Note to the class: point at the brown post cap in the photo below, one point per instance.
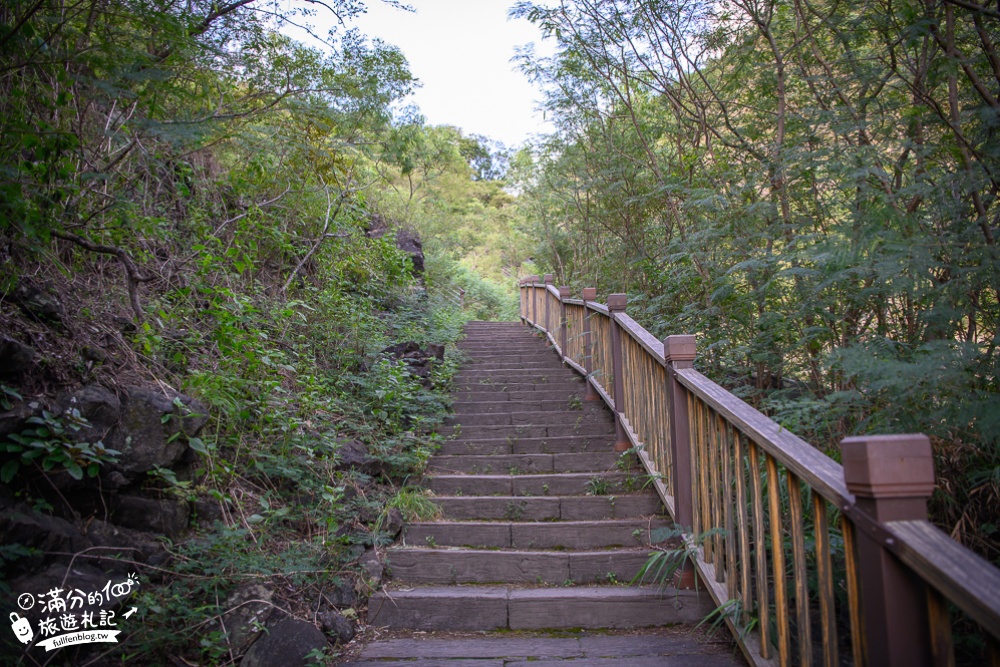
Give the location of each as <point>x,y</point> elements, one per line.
<point>589,293</point>
<point>680,348</point>
<point>564,292</point>
<point>888,466</point>
<point>616,302</point>
<point>549,277</point>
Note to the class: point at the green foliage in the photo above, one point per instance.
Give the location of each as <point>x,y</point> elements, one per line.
<point>51,445</point>
<point>812,193</point>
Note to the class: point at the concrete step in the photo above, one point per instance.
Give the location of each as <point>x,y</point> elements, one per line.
<point>516,376</point>
<point>534,535</point>
<point>654,647</point>
<point>525,464</point>
<point>494,393</point>
<point>527,430</point>
<point>562,484</point>
<point>479,608</point>
<point>471,566</point>
<point>514,444</point>
<point>536,418</point>
<point>497,354</point>
<point>548,508</point>
<point>536,366</point>
<point>573,403</point>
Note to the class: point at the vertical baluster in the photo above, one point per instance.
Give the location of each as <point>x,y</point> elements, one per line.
<point>715,492</point>
<point>743,529</point>
<point>759,542</point>
<point>616,304</point>
<point>859,648</point>
<point>589,294</point>
<point>778,561</point>
<point>824,578</point>
<point>796,523</point>
<point>703,479</point>
<point>694,474</point>
<point>726,451</point>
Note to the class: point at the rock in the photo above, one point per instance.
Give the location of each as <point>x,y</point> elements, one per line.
<point>37,303</point>
<point>286,645</point>
<point>393,522</point>
<point>406,240</point>
<point>81,576</point>
<point>131,544</point>
<point>15,357</point>
<point>208,510</point>
<point>95,354</point>
<point>14,420</point>
<point>97,405</point>
<point>337,627</point>
<point>354,455</point>
<point>48,534</point>
<point>436,351</point>
<point>409,242</point>
<point>250,610</point>
<point>169,516</point>
<point>372,566</point>
<point>343,596</point>
<point>147,436</point>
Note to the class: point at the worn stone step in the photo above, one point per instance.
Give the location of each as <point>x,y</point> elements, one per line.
<point>563,484</point>
<point>551,405</point>
<point>525,464</point>
<point>472,566</point>
<point>549,508</point>
<point>535,418</point>
<point>514,444</point>
<point>527,430</point>
<point>481,608</point>
<point>534,535</point>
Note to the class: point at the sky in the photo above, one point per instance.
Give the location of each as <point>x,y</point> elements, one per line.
<point>460,51</point>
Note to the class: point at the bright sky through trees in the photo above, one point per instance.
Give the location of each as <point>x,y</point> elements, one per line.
<point>461,52</point>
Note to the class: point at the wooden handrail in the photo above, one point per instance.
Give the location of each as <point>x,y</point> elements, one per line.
<point>747,492</point>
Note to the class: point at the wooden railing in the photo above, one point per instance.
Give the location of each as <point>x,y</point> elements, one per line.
<point>809,561</point>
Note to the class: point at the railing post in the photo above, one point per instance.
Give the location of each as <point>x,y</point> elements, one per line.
<point>891,477</point>
<point>548,328</point>
<point>563,295</point>
<point>534,301</point>
<point>616,304</point>
<point>679,352</point>
<point>589,294</point>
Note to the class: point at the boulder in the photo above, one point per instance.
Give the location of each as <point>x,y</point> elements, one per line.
<point>337,627</point>
<point>372,566</point>
<point>126,543</point>
<point>250,609</point>
<point>169,516</point>
<point>393,522</point>
<point>150,418</point>
<point>343,596</point>
<point>15,357</point>
<point>97,405</point>
<point>409,242</point>
<point>51,535</point>
<point>38,303</point>
<point>286,644</point>
<point>354,455</point>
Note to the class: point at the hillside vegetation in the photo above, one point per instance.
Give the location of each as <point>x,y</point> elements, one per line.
<point>220,339</point>
<point>813,188</point>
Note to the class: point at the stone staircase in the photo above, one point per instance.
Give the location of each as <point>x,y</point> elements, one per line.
<point>543,523</point>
